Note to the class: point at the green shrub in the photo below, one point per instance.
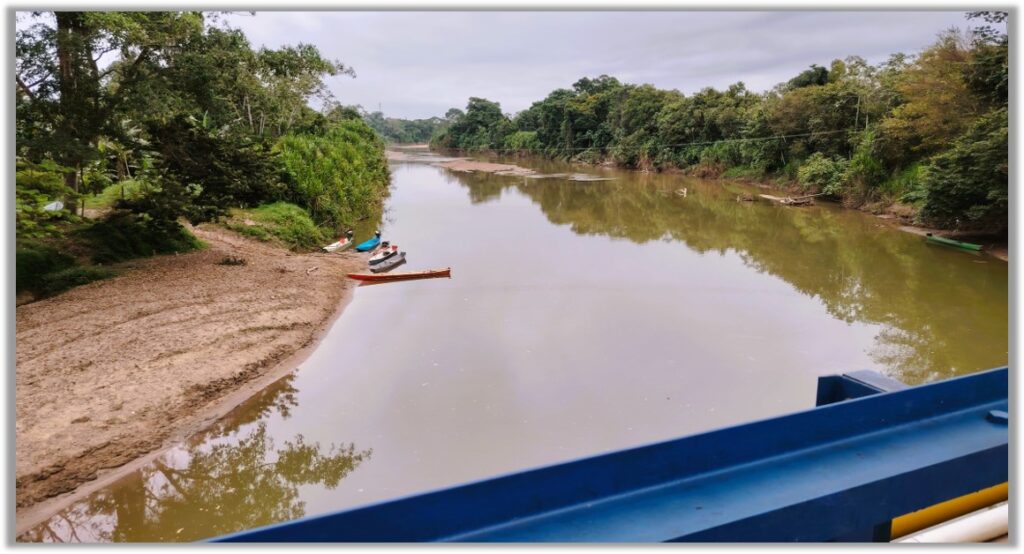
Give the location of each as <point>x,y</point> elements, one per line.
<point>59,281</point>
<point>589,156</point>
<point>339,175</point>
<point>824,173</point>
<point>45,271</point>
<point>35,186</point>
<point>286,222</point>
<point>523,141</point>
<point>291,224</point>
<point>33,261</point>
<point>743,172</point>
<point>967,185</point>
<point>864,170</point>
<point>123,236</point>
<point>906,185</point>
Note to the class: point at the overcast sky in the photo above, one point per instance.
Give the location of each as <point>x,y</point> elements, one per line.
<point>418,65</point>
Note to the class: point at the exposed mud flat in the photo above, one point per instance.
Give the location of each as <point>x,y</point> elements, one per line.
<point>579,177</point>
<point>112,370</point>
<point>464,165</point>
<point>472,166</point>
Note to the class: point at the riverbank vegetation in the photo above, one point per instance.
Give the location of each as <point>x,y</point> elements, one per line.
<point>149,119</point>
<point>929,131</point>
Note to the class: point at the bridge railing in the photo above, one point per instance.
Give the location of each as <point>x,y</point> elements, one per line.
<point>872,451</point>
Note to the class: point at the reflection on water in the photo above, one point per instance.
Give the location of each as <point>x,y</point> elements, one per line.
<point>942,312</point>
<point>581,317</point>
<point>234,477</point>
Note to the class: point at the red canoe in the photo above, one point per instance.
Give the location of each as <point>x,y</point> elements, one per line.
<point>379,277</point>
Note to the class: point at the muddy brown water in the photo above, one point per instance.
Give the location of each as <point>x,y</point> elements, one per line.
<point>581,317</point>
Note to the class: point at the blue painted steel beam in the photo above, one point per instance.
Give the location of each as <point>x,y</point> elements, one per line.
<point>856,384</point>
<point>836,472</point>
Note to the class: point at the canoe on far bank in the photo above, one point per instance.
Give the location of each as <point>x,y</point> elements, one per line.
<point>950,242</point>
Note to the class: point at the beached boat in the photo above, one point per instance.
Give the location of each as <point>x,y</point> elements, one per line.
<point>950,242</point>
<point>385,252</point>
<point>388,263</point>
<point>428,274</point>
<point>341,244</point>
<point>370,244</point>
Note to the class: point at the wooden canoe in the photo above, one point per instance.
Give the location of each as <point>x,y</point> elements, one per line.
<point>381,277</point>
<point>951,242</point>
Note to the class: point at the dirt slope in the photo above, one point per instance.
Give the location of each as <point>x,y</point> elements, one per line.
<point>111,370</point>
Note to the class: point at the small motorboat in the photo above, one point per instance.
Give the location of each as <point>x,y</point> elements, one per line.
<point>386,251</point>
<point>405,276</point>
<point>389,262</point>
<point>370,244</point>
<point>341,244</point>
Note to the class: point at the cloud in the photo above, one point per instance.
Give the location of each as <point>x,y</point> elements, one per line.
<point>419,64</point>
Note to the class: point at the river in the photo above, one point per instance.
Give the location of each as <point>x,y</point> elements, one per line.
<point>581,317</point>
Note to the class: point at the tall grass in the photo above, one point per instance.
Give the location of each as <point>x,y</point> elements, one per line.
<point>339,175</point>
<point>286,222</point>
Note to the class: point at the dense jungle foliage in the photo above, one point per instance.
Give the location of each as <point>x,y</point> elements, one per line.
<point>928,130</point>
<point>149,118</point>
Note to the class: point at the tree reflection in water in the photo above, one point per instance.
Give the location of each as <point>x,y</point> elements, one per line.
<point>940,313</point>
<point>234,478</point>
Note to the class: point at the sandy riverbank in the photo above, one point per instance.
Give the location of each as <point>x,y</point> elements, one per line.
<point>110,371</point>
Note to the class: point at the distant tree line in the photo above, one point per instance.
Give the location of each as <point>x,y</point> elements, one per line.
<point>403,131</point>
<point>929,130</point>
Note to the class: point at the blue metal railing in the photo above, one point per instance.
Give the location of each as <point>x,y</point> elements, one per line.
<point>838,472</point>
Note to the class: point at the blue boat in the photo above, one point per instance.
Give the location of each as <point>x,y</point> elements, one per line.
<point>370,244</point>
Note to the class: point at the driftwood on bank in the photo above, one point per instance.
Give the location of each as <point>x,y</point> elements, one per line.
<point>791,201</point>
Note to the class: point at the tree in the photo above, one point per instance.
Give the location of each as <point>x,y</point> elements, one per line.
<point>988,71</point>
<point>967,186</point>
<point>481,127</point>
<point>65,100</point>
<point>813,76</point>
<point>937,105</point>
